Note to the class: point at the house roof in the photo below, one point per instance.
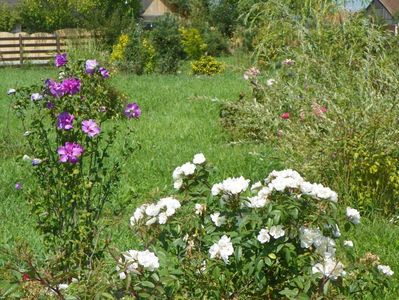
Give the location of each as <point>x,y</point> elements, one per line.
<point>392,6</point>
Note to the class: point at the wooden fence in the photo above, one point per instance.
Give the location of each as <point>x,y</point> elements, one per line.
<point>38,48</point>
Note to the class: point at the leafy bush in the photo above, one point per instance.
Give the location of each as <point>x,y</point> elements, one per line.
<point>322,101</point>
<point>193,44</point>
<point>69,146</point>
<point>207,65</point>
<point>8,17</point>
<point>140,54</point>
<point>165,38</point>
<point>279,238</point>
<point>118,50</point>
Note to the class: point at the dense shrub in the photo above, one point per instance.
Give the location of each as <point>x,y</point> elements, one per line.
<point>324,101</point>
<point>166,40</point>
<point>8,17</point>
<point>193,44</point>
<point>278,238</point>
<point>140,55</point>
<point>207,65</point>
<point>118,50</point>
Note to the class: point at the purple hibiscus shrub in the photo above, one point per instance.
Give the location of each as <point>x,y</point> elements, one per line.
<point>70,152</point>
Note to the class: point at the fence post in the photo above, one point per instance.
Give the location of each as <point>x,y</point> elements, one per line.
<point>21,51</point>
<point>57,38</point>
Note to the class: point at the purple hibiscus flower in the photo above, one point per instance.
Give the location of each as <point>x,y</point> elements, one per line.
<point>71,86</point>
<point>90,127</point>
<point>132,110</point>
<point>56,89</point>
<point>70,152</point>
<point>104,72</point>
<point>65,120</point>
<point>61,60</point>
<point>91,65</point>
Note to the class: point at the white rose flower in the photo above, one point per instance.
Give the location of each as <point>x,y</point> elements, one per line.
<point>386,270</point>
<point>308,236</point>
<point>263,236</point>
<point>138,215</point>
<point>162,218</point>
<point>152,210</point>
<point>353,215</point>
<point>256,202</point>
<point>178,184</point>
<point>177,173</point>
<point>130,255</point>
<point>199,159</point>
<point>277,231</point>
<point>148,260</point>
<point>330,269</point>
<point>256,186</point>
<point>222,249</point>
<point>122,276</point>
<point>217,219</point>
<point>348,244</point>
<point>188,169</point>
<point>216,189</point>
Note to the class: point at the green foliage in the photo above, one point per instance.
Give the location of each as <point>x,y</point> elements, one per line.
<point>193,44</point>
<point>207,65</point>
<point>8,17</point>
<point>118,50</point>
<point>70,195</point>
<point>340,100</point>
<point>108,17</point>
<point>139,54</point>
<point>165,37</point>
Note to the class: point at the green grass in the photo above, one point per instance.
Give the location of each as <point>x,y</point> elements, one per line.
<point>180,118</point>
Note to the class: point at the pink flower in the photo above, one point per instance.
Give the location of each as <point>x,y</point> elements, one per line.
<point>285,115</point>
<point>70,152</point>
<point>90,127</point>
<point>132,110</point>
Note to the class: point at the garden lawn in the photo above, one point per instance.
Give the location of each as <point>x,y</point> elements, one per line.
<point>180,117</point>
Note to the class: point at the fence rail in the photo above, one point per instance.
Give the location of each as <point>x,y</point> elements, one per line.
<point>37,48</point>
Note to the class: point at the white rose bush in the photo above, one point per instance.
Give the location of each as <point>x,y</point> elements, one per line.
<point>238,239</point>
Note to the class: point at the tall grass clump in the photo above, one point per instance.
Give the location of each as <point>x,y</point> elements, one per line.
<point>326,96</point>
